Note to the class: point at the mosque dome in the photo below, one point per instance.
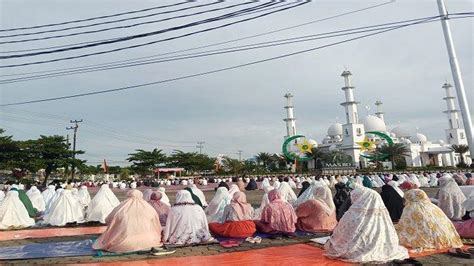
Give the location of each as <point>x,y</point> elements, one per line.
<point>441,142</point>
<point>335,130</point>
<point>333,147</point>
<point>401,132</point>
<point>373,123</point>
<point>418,138</point>
<point>405,141</point>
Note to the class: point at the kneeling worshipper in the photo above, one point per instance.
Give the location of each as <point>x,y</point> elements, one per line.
<point>196,191</point>
<point>84,196</point>
<point>365,233</point>
<point>466,228</point>
<point>36,199</point>
<point>195,198</point>
<point>241,184</point>
<point>424,226</point>
<point>252,185</point>
<point>164,197</point>
<point>233,189</point>
<point>287,193</point>
<point>238,219</point>
<point>278,217</point>
<point>342,199</point>
<point>223,184</point>
<point>215,209</point>
<point>147,194</point>
<point>25,200</point>
<point>186,223</point>
<point>66,209</point>
<point>318,214</point>
<point>263,203</point>
<point>392,197</point>
<point>48,194</point>
<point>13,214</point>
<point>304,186</point>
<point>132,226</point>
<point>102,204</point>
<point>160,207</point>
<point>450,198</point>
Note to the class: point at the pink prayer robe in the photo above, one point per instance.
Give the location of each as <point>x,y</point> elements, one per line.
<point>132,226</point>
<point>277,216</point>
<point>312,217</point>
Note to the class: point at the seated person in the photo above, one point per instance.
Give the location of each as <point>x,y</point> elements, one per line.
<point>238,219</point>
<point>215,209</point>
<point>160,207</point>
<point>102,204</point>
<point>392,197</point>
<point>186,223</point>
<point>13,214</point>
<point>450,198</point>
<point>318,214</point>
<point>342,199</point>
<point>278,217</point>
<point>252,185</point>
<point>365,233</point>
<point>466,228</point>
<point>132,226</point>
<point>66,209</point>
<point>424,225</point>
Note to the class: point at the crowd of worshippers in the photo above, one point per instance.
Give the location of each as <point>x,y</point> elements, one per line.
<point>364,225</point>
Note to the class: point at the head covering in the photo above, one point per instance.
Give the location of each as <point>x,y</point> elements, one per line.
<point>424,225</point>
<point>287,193</point>
<point>134,219</point>
<point>265,183</point>
<point>305,185</point>
<point>223,184</point>
<point>160,207</point>
<point>26,201</point>
<point>147,194</point>
<point>238,209</point>
<point>252,185</point>
<point>279,214</point>
<point>215,209</point>
<point>196,191</point>
<point>13,213</point>
<point>324,195</point>
<point>367,182</point>
<point>36,199</point>
<point>195,198</point>
<point>276,184</point>
<point>233,189</point>
<point>317,214</point>
<point>365,233</point>
<point>186,223</point>
<point>414,179</point>
<point>241,184</point>
<point>102,204</point>
<point>84,196</point>
<point>66,209</point>
<point>393,201</point>
<point>460,179</point>
<point>450,198</point>
<point>164,197</point>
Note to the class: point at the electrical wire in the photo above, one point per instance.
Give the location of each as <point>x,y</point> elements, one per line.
<point>210,45</point>
<point>241,48</point>
<point>141,35</point>
<point>216,70</point>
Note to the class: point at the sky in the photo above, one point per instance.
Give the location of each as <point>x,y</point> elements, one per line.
<point>240,109</point>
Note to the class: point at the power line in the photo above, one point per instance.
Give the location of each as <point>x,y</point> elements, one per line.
<point>217,70</point>
<point>94,18</point>
<point>247,47</point>
<point>200,146</point>
<point>123,26</point>
<point>136,36</point>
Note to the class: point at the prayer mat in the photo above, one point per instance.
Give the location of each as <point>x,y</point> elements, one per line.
<point>50,232</point>
<point>48,250</point>
<point>310,235</point>
<point>467,241</point>
<point>103,253</point>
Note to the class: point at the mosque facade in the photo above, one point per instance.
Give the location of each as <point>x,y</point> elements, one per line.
<point>422,151</point>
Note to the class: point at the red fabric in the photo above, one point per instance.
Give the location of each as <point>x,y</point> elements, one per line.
<point>408,185</point>
<point>239,229</point>
<point>466,228</point>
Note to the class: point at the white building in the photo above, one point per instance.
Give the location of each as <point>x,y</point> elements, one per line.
<point>423,152</point>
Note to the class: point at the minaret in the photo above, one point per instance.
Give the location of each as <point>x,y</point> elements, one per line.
<point>290,119</point>
<point>454,134</point>
<point>379,112</point>
<point>353,132</point>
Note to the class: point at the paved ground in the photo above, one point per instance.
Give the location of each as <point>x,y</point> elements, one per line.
<point>253,197</point>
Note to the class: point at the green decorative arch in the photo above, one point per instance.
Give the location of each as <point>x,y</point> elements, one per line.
<point>380,156</point>
<point>290,155</point>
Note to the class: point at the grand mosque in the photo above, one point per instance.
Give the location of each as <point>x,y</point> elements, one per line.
<point>348,137</point>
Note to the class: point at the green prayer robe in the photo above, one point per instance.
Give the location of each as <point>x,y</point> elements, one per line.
<point>27,202</point>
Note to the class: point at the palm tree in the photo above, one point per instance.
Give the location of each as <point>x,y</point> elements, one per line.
<point>395,151</point>
<point>460,149</point>
<point>144,162</point>
<point>265,158</point>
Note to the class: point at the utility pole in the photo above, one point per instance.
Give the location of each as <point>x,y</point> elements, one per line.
<point>457,78</point>
<point>200,146</point>
<point>240,154</point>
<point>75,127</point>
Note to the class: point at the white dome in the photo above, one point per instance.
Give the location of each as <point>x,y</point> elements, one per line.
<point>418,138</point>
<point>333,147</point>
<point>405,141</point>
<point>401,132</point>
<point>335,130</point>
<point>441,142</point>
<point>373,123</point>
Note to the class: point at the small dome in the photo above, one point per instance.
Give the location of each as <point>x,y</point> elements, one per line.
<point>373,123</point>
<point>405,141</point>
<point>441,142</point>
<point>393,135</point>
<point>418,138</point>
<point>335,130</point>
<point>333,147</point>
<point>401,132</point>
